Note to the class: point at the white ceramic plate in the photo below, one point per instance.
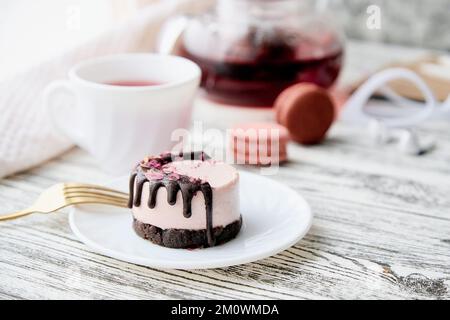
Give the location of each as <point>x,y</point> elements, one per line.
<point>274,217</point>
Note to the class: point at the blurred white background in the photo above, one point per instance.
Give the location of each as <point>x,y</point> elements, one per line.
<point>31,31</point>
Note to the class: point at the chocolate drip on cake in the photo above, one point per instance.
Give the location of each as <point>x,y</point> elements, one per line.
<point>173,183</point>
<point>131,188</point>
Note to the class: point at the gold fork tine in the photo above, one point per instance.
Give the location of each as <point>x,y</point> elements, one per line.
<point>78,198</point>
<point>89,187</point>
<point>88,190</point>
<point>94,194</point>
<point>81,200</point>
<point>87,196</point>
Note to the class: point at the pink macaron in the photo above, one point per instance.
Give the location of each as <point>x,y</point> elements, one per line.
<point>259,143</point>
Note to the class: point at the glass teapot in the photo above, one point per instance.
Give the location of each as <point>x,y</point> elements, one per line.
<point>250,50</point>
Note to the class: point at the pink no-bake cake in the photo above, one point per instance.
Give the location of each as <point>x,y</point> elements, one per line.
<point>185,200</point>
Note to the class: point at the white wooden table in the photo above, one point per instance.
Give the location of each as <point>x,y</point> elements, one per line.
<point>381,230</point>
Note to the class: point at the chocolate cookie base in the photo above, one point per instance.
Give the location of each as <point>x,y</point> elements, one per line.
<point>184,238</point>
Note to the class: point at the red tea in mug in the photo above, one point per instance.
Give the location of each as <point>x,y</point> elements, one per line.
<point>133,83</point>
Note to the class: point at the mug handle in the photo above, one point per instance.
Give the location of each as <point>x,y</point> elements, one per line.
<point>60,101</point>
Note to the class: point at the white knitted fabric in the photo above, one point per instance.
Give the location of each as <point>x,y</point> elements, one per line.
<point>27,137</point>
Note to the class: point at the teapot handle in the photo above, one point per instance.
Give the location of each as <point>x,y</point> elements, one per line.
<point>170,33</point>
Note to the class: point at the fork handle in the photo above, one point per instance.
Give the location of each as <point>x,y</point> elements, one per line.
<point>17,214</point>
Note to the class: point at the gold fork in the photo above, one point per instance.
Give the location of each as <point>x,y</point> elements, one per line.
<point>66,194</point>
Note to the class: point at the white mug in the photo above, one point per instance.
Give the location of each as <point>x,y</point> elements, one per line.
<point>119,125</point>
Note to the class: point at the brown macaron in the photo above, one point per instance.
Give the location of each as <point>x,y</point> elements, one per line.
<point>307,111</point>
